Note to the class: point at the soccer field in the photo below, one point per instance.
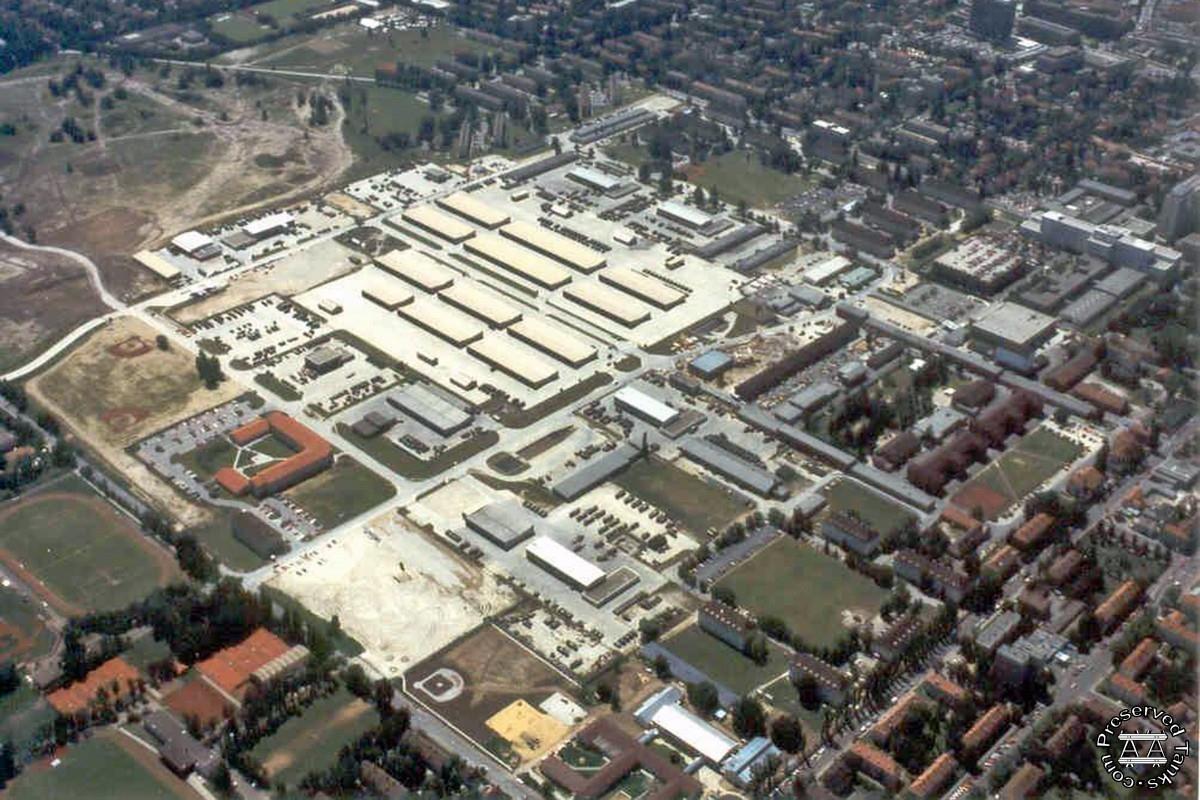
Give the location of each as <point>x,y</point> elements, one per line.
<point>80,553</point>
<point>808,590</point>
<point>1011,478</point>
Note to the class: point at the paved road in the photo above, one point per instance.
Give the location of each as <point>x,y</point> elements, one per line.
<point>291,73</point>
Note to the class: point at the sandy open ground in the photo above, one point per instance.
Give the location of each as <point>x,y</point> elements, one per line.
<point>400,594</point>
<point>110,401</point>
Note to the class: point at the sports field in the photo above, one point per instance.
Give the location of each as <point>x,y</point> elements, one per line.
<point>23,632</point>
<point>813,593</point>
<point>108,766</point>
<point>492,672</point>
<point>695,502</point>
<point>79,552</point>
<point>1009,479</point>
<point>341,492</point>
<point>739,176</point>
<point>310,742</point>
<point>872,508</point>
<point>722,663</point>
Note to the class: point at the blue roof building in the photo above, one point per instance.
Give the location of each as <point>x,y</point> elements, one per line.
<point>711,364</point>
<point>740,766</point>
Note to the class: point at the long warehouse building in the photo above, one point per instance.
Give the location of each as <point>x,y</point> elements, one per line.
<point>467,296</point>
<point>608,303</point>
<point>519,260</point>
<point>500,353</point>
<point>474,210</point>
<point>434,412</point>
<point>561,562</point>
<point>386,292</point>
<point>553,341</point>
<point>643,287</point>
<point>551,244</point>
<point>428,218</point>
<point>455,327</point>
<point>418,269</point>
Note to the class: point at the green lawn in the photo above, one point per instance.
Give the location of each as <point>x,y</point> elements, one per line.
<point>208,458</point>
<point>83,550</point>
<point>25,635</point>
<point>805,588</point>
<point>740,176</point>
<point>217,536</point>
<point>352,50</point>
<point>722,663</point>
<point>310,742</point>
<point>872,508</point>
<point>99,769</point>
<point>23,712</point>
<point>1034,459</point>
<point>695,502</point>
<point>242,27</point>
<point>342,492</point>
<point>138,114</point>
<point>409,466</point>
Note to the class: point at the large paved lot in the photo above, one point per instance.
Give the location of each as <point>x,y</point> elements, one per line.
<point>813,593</point>
<point>695,502</point>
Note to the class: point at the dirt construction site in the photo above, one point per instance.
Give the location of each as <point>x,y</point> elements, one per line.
<point>117,388</point>
<point>396,590</point>
<point>169,152</point>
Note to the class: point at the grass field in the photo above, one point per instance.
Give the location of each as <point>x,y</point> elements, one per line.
<point>739,176</point>
<point>805,588</point>
<point>351,50</point>
<point>872,508</point>
<point>341,492</point>
<point>406,465</point>
<point>698,504</point>
<point>242,27</point>
<point>217,536</point>
<point>722,663</point>
<point>23,633</point>
<point>310,742</point>
<point>1012,477</point>
<point>23,712</point>
<point>85,555</point>
<point>101,768</point>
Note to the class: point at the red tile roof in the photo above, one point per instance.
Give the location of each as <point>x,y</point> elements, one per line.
<point>79,696</point>
<point>230,669</point>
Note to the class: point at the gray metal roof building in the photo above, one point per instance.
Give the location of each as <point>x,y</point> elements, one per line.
<point>727,465</point>
<point>506,523</point>
<point>429,409</point>
<point>1088,307</point>
<point>595,472</point>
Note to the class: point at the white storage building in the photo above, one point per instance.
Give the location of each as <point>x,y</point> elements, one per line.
<point>387,292</point>
<point>440,224</point>
<point>501,353</point>
<point>519,260</point>
<point>563,563</point>
<point>469,297</point>
<point>418,269</point>
<point>439,319</point>
<point>549,243</point>
<point>553,341</point>
<point>643,287</point>
<point>608,303</point>
<point>642,405</point>
<point>474,209</point>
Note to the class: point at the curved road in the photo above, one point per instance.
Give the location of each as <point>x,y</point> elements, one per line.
<point>97,284</point>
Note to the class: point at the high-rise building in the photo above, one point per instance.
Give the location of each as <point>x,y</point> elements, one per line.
<point>1180,213</point>
<point>993,19</point>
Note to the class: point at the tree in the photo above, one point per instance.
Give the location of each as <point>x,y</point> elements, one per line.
<point>222,780</point>
<point>756,648</point>
<point>662,667</point>
<point>8,764</point>
<point>162,342</point>
<point>807,691</point>
<point>724,594</point>
<point>787,734</point>
<point>749,718</point>
<point>703,697</point>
